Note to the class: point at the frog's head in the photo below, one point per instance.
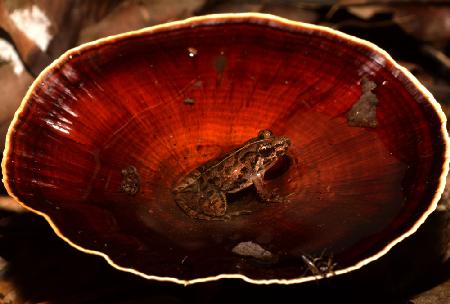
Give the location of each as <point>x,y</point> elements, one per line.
<point>271,149</point>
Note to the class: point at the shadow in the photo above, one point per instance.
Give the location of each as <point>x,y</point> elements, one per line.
<point>44,268</point>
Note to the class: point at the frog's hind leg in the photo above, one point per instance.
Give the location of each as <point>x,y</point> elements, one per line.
<point>188,183</point>
<point>214,202</point>
<point>183,201</point>
<point>210,204</point>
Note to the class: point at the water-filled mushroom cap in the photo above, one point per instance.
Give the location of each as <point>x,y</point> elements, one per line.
<point>106,130</point>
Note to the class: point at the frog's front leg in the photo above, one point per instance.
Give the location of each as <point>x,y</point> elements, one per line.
<point>264,194</point>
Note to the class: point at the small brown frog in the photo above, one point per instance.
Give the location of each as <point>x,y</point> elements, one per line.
<point>201,193</point>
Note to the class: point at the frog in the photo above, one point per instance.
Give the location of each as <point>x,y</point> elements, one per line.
<point>201,194</point>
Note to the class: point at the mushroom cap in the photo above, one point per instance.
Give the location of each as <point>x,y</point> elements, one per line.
<point>366,165</point>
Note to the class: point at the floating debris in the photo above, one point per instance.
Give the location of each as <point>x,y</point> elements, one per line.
<point>363,112</point>
<point>253,250</point>
<point>130,181</point>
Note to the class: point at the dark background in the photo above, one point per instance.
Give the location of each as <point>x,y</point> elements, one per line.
<point>37,267</point>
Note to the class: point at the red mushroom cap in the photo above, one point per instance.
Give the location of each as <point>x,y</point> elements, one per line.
<point>107,129</point>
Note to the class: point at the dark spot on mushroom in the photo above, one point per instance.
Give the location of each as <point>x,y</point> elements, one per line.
<point>189,101</point>
<point>220,62</point>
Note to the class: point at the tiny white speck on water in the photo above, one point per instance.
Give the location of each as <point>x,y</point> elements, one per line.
<point>192,52</point>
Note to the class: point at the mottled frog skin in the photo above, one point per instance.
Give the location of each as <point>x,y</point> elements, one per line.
<point>201,193</point>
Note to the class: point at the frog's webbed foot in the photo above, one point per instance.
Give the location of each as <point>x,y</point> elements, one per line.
<point>268,196</point>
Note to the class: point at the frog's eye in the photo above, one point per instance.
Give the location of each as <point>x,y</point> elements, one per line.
<point>263,134</point>
<point>265,151</point>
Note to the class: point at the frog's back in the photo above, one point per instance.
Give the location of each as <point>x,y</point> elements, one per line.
<point>225,158</point>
